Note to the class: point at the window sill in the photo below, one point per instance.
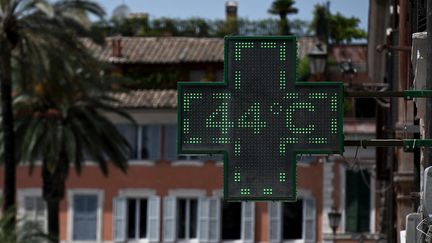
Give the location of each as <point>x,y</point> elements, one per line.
<point>351,236</point>
<point>232,241</point>
<point>188,241</point>
<point>141,162</point>
<point>294,241</point>
<point>138,241</point>
<point>197,163</point>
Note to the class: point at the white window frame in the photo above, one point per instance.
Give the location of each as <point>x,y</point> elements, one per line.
<point>138,161</point>
<point>185,194</point>
<point>302,195</point>
<point>30,192</point>
<point>133,193</point>
<point>100,197</point>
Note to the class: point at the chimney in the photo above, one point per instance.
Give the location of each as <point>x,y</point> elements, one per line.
<point>231,26</point>
<point>116,47</point>
<point>231,9</point>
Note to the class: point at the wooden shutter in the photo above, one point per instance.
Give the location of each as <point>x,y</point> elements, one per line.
<point>153,215</point>
<point>357,202</point>
<point>248,222</point>
<point>275,221</point>
<point>309,214</point>
<point>169,225</point>
<point>203,219</point>
<point>119,219</point>
<point>214,219</point>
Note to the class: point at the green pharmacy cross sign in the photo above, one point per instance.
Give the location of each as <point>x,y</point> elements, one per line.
<point>260,118</point>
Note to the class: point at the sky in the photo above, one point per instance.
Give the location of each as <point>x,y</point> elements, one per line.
<point>251,9</point>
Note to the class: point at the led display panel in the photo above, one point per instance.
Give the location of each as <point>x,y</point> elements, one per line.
<point>260,118</point>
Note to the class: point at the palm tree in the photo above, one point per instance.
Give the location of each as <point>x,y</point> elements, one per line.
<point>33,31</point>
<point>60,123</point>
<point>283,8</point>
<point>29,231</point>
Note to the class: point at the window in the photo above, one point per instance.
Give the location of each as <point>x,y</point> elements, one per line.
<point>129,132</point>
<point>170,148</point>
<point>180,215</point>
<point>144,140</point>
<point>171,145</point>
<point>365,107</point>
<point>136,218</point>
<point>187,210</point>
<point>84,215</point>
<point>85,212</point>
<point>231,220</point>
<point>213,219</point>
<point>32,207</point>
<point>357,201</point>
<point>292,221</point>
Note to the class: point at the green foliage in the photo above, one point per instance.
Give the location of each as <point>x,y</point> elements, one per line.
<point>159,79</point>
<point>335,27</point>
<point>196,27</point>
<point>283,8</point>
<point>29,231</point>
<point>33,33</point>
<point>345,29</point>
<point>320,24</point>
<point>303,69</point>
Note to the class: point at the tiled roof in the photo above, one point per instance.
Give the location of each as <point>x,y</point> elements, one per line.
<point>164,50</point>
<point>147,99</point>
<point>160,50</point>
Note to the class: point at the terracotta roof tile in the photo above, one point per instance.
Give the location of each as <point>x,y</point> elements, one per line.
<point>168,50</point>
<point>161,50</point>
<point>147,99</point>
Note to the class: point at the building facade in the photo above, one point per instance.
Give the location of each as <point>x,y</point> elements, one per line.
<point>170,197</point>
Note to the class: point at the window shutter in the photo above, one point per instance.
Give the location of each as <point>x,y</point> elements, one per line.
<point>357,201</point>
<point>119,224</point>
<point>275,222</point>
<point>153,222</point>
<point>214,219</point>
<point>203,219</point>
<point>153,141</point>
<point>170,213</point>
<point>248,222</point>
<point>364,200</point>
<point>309,215</point>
